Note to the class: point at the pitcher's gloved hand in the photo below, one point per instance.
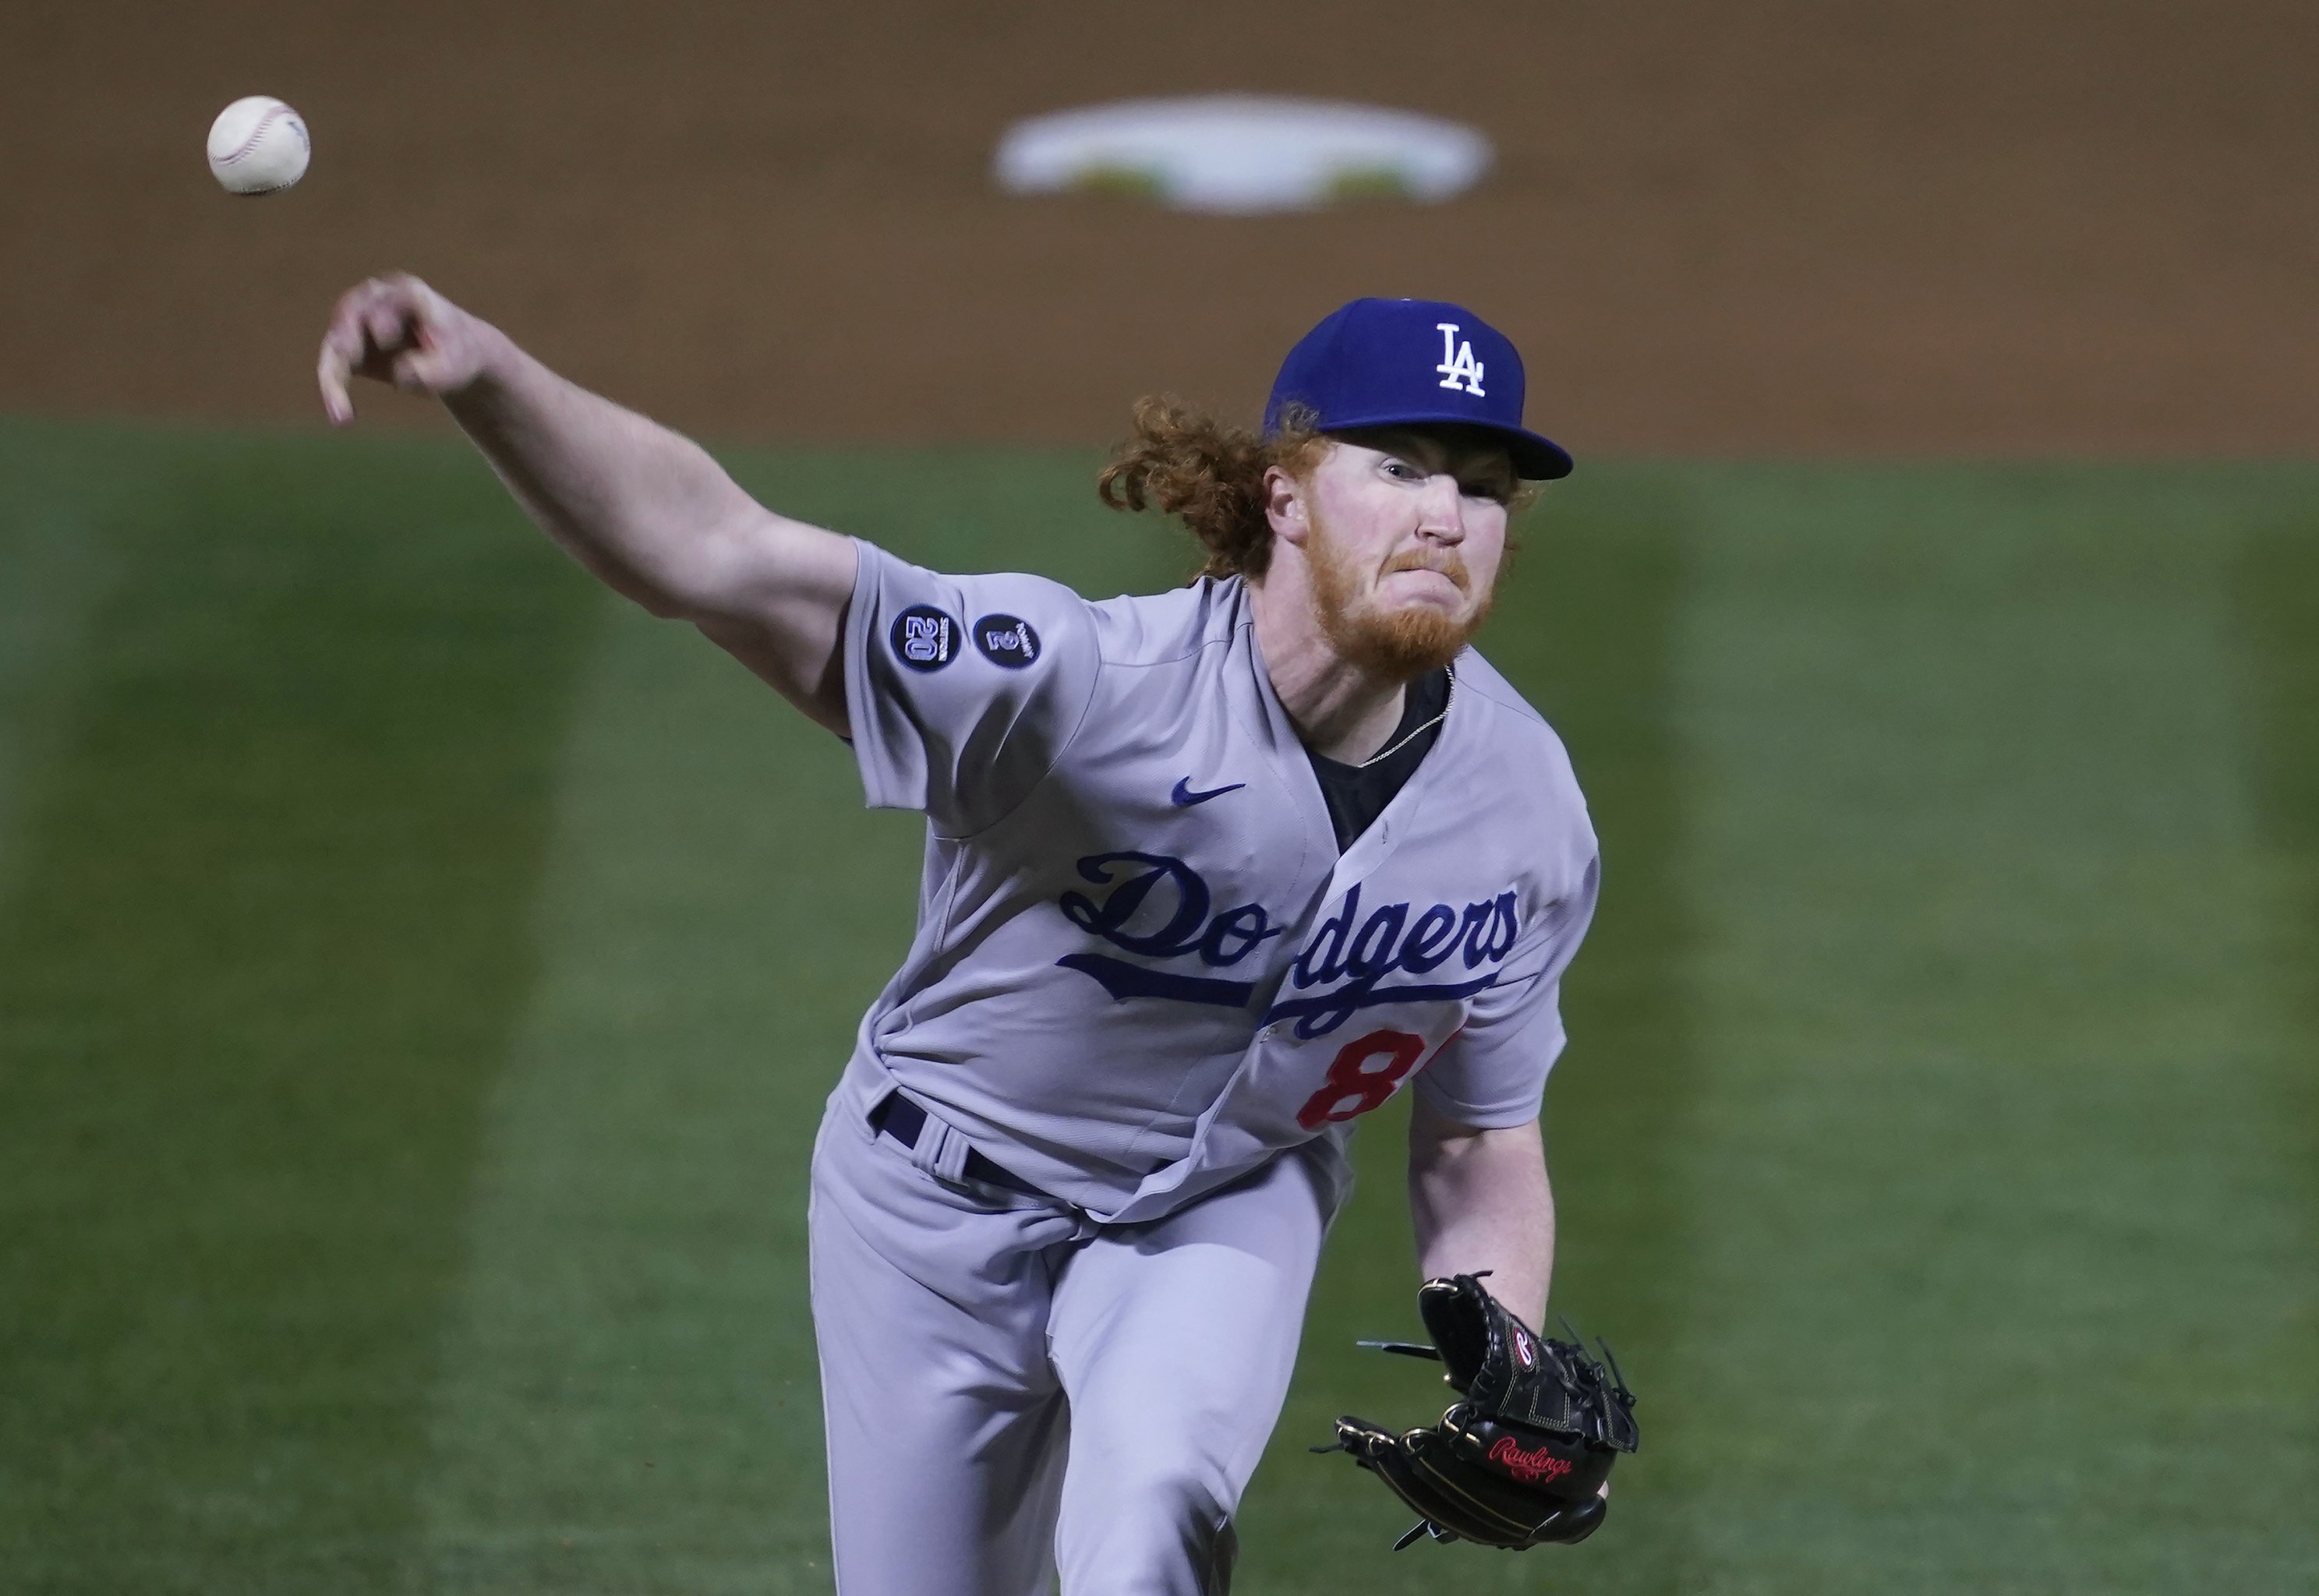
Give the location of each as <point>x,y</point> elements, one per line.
<point>1522,1459</point>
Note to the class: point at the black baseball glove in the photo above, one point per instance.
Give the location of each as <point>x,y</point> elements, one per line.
<point>1522,1458</point>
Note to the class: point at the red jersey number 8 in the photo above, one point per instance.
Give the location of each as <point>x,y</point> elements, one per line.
<point>1365,1072</point>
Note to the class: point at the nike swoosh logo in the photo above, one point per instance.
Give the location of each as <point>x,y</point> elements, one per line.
<point>1183,797</point>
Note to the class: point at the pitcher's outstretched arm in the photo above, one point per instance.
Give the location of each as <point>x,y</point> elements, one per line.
<point>646,509</point>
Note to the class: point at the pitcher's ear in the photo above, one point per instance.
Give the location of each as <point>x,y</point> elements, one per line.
<point>1284,507</point>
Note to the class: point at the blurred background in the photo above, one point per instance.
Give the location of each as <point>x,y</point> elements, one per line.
<point>1928,226</point>
<point>419,975</point>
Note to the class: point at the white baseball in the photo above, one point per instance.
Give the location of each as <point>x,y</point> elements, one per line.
<point>259,145</point>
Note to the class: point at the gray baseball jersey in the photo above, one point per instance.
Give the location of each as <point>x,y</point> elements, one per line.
<point>1141,966</point>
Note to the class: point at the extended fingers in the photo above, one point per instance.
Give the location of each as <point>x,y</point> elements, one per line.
<point>375,330</point>
<point>342,350</point>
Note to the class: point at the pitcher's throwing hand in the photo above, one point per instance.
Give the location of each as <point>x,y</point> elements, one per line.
<point>397,330</point>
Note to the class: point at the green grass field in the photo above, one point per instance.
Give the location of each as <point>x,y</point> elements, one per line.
<point>418,979</point>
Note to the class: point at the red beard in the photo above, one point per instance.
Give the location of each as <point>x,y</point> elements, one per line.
<point>1399,645</point>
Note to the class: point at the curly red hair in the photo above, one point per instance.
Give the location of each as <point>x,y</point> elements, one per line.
<point>1210,475</point>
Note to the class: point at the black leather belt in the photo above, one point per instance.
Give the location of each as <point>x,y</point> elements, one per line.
<point>905,1122</point>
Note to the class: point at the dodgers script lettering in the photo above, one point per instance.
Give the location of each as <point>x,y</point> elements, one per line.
<point>1157,907</point>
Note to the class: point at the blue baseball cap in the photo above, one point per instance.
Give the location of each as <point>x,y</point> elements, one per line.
<point>1408,362</point>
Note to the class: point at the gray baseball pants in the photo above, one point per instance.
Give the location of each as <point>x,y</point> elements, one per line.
<point>1015,1392</point>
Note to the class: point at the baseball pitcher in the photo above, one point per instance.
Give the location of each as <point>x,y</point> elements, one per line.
<point>1209,875</point>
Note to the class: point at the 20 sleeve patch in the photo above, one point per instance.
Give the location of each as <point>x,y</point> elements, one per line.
<point>925,638</point>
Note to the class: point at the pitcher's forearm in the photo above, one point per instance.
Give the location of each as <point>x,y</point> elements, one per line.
<point>1481,1200</point>
<point>644,509</point>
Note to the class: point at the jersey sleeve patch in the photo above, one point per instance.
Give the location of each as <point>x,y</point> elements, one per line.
<point>961,719</point>
<point>1007,641</point>
<point>924,638</point>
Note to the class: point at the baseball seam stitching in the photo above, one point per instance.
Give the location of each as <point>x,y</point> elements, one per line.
<point>256,133</point>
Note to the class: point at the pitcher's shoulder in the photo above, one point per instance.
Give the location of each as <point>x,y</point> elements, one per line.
<point>1517,729</point>
<point>1160,628</point>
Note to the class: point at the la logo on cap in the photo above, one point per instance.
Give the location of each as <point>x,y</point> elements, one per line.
<point>1370,364</point>
<point>1458,368</point>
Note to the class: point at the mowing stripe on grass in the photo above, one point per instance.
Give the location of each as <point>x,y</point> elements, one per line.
<point>256,977</point>
<point>55,562</point>
<point>628,1394</point>
<point>2278,608</point>
<point>628,1398</point>
<point>1620,1113</point>
<point>1989,1175</point>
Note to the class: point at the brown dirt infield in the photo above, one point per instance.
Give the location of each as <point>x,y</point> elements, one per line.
<point>1785,226</point>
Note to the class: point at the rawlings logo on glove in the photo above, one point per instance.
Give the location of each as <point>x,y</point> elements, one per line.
<point>1522,1458</point>
<point>1529,1468</point>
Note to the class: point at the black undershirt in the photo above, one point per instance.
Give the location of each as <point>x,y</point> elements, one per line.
<point>1357,794</point>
